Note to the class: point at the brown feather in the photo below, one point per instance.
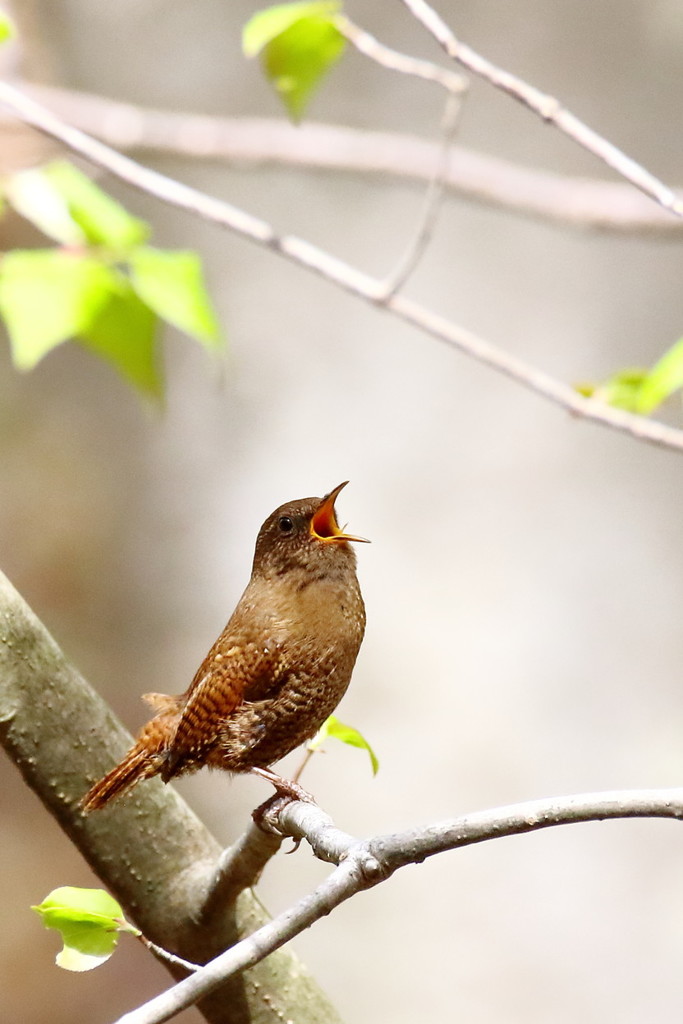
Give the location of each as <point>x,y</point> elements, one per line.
<point>230,674</point>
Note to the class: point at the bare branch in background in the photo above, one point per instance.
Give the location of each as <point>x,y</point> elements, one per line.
<point>302,253</point>
<point>392,60</point>
<point>431,205</point>
<point>547,107</point>
<point>456,88</point>
<point>582,203</point>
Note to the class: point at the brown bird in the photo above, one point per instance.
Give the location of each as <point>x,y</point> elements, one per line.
<point>276,672</point>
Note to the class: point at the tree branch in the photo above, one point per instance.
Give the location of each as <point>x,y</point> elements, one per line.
<point>239,867</point>
<point>583,203</point>
<point>364,864</point>
<point>163,954</point>
<point>343,882</point>
<point>392,60</point>
<point>547,107</point>
<point>455,87</point>
<point>432,202</point>
<point>302,253</point>
<point>62,736</point>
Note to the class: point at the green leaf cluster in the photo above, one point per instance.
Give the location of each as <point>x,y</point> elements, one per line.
<point>298,44</point>
<point>103,286</point>
<point>88,920</point>
<point>640,390</point>
<point>337,730</point>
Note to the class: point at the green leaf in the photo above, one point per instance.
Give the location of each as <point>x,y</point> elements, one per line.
<point>124,333</point>
<point>665,377</point>
<point>266,25</point>
<point>6,28</point>
<point>101,218</point>
<point>66,205</point>
<point>47,296</point>
<point>35,197</point>
<point>88,921</point>
<point>620,390</point>
<point>299,43</point>
<point>346,734</point>
<point>172,284</point>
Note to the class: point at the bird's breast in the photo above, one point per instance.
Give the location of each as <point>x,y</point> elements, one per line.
<point>317,630</point>
<point>328,612</point>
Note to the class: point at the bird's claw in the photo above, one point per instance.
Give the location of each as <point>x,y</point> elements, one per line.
<point>266,816</point>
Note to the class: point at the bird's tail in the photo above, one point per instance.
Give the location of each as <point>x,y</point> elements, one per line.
<point>136,766</point>
<point>143,760</point>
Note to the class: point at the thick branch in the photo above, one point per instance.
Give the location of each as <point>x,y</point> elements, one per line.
<point>62,736</point>
<point>584,203</point>
<point>302,253</point>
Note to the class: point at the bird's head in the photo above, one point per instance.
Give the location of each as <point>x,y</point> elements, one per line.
<point>303,534</point>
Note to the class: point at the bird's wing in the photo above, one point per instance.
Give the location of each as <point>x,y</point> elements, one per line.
<point>229,675</point>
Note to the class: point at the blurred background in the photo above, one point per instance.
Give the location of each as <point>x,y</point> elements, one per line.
<point>525,580</point>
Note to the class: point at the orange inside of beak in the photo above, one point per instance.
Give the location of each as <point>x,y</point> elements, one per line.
<point>324,525</point>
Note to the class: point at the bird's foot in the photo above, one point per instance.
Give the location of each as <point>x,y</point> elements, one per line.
<point>266,814</point>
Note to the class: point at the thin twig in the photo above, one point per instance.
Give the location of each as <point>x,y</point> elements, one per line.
<point>431,204</point>
<point>392,60</point>
<point>456,87</point>
<point>547,107</point>
<point>302,253</point>
<point>362,865</point>
<point>308,754</point>
<point>169,958</point>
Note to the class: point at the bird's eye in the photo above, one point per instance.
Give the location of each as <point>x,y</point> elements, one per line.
<point>286,524</point>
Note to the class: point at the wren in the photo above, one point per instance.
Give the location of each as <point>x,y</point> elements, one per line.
<point>276,672</point>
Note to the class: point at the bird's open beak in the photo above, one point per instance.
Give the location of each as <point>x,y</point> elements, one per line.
<point>324,525</point>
